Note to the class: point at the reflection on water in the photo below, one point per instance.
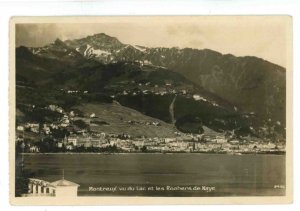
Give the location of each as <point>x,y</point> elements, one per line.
<point>231,175</point>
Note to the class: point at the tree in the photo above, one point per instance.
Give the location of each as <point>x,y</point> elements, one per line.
<point>81,124</point>
<point>144,149</point>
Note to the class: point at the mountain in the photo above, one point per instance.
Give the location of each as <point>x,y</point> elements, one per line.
<point>190,88</point>
<point>99,46</point>
<point>57,50</point>
<point>250,83</point>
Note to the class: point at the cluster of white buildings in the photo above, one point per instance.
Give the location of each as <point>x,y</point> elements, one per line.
<point>209,141</point>
<point>85,140</point>
<point>60,188</point>
<point>46,128</point>
<point>74,91</point>
<point>181,143</point>
<point>134,122</point>
<point>149,88</point>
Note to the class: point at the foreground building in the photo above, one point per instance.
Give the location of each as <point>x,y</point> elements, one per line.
<point>60,188</point>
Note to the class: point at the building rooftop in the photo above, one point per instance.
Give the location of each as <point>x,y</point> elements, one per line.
<point>64,182</point>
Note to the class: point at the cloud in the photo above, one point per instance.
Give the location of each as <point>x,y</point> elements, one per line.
<point>35,34</point>
<point>190,29</point>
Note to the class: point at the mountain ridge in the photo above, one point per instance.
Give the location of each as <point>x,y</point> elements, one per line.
<point>236,79</point>
<point>250,84</point>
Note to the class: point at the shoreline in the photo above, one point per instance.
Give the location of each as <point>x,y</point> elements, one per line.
<point>126,153</point>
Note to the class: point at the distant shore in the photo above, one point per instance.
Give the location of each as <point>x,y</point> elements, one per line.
<point>106,153</point>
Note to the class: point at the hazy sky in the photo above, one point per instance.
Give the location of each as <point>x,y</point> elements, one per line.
<point>264,37</point>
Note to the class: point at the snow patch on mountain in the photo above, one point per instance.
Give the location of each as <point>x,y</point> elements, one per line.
<point>35,51</point>
<point>100,52</point>
<point>85,53</point>
<point>140,48</point>
<point>97,52</point>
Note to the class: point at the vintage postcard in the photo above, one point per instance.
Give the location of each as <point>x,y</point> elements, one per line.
<point>151,110</point>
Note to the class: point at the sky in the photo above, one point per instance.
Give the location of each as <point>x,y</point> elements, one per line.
<point>262,36</point>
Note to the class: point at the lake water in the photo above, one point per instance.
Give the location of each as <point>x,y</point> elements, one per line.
<point>182,174</point>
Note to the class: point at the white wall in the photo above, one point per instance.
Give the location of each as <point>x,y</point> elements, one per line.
<point>66,191</point>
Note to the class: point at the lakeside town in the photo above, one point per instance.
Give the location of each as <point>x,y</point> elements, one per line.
<point>71,133</point>
<point>92,113</point>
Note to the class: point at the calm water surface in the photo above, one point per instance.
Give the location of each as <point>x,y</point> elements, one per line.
<point>231,175</point>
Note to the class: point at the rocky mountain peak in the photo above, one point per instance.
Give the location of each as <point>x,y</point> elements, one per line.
<point>102,39</point>
<point>59,42</point>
